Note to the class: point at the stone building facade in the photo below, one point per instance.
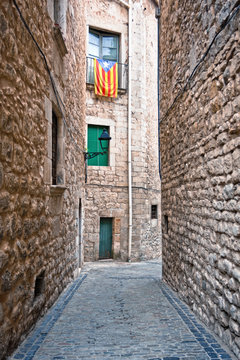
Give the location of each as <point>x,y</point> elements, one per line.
<point>107,188</point>
<point>49,218</point>
<point>41,157</point>
<point>200,151</point>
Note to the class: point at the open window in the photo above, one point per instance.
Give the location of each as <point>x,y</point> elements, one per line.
<point>105,46</point>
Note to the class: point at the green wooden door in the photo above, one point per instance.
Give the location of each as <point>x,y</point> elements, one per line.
<point>105,244</point>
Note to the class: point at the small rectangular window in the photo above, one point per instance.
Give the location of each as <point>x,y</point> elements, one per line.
<point>39,285</point>
<point>166,223</point>
<point>154,213</point>
<point>54,147</point>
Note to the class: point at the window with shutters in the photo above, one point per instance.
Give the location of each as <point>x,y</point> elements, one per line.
<point>94,131</point>
<point>103,45</point>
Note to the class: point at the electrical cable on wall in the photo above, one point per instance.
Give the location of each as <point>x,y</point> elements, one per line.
<point>222,27</point>
<point>58,98</point>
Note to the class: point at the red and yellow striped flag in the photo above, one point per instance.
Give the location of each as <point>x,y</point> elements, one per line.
<point>106,77</point>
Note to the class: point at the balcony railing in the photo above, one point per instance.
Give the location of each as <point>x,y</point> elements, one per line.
<point>122,74</point>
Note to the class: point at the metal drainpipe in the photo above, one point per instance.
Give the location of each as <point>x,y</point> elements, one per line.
<point>130,130</point>
<point>129,7</point>
<point>158,15</point>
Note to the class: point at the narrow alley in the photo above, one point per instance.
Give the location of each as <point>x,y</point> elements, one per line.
<point>118,310</point>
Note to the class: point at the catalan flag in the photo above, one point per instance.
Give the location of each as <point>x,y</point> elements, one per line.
<point>106,77</point>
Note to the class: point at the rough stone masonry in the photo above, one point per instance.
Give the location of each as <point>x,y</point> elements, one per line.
<point>200,148</point>
<point>37,218</point>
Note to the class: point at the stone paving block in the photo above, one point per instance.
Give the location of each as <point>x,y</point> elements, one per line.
<point>119,310</point>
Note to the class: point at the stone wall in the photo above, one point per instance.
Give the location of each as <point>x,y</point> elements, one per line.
<point>38,232</point>
<point>200,151</point>
<point>146,182</point>
<point>107,187</point>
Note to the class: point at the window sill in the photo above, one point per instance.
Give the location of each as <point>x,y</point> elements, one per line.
<point>60,40</point>
<point>91,88</point>
<point>154,222</point>
<point>99,167</point>
<point>57,189</point>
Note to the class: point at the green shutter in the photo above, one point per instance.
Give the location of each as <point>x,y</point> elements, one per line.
<point>105,243</point>
<point>94,132</point>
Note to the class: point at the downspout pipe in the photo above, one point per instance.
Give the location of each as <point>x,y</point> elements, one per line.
<point>130,130</point>
<point>123,2</point>
<point>158,15</point>
<point>129,7</point>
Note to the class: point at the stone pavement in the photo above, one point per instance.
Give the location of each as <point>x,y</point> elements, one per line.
<point>120,311</point>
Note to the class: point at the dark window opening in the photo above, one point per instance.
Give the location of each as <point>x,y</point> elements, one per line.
<point>54,147</point>
<point>154,213</point>
<point>39,285</point>
<point>166,223</point>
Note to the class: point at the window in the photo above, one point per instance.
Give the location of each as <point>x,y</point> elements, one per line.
<point>39,285</point>
<point>54,147</point>
<point>57,150</point>
<point>94,131</point>
<point>103,45</point>
<point>54,172</point>
<point>166,223</point>
<point>154,213</point>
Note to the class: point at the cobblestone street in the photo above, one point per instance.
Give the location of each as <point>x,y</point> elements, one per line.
<point>120,311</point>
